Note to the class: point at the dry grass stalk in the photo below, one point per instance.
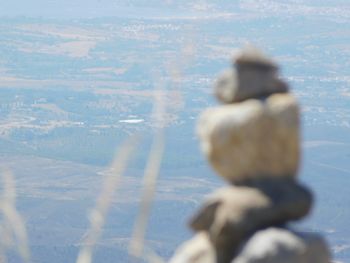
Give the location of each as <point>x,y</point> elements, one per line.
<point>12,230</point>
<point>103,202</point>
<point>136,247</point>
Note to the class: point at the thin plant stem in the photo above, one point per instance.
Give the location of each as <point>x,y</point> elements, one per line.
<point>12,220</point>
<point>104,201</point>
<point>136,246</point>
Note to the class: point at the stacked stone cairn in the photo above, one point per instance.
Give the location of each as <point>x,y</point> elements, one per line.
<point>252,141</point>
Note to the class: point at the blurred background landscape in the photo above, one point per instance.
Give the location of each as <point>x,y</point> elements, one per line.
<point>78,77</point>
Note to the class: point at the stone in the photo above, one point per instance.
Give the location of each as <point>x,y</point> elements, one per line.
<point>253,55</point>
<point>254,76</point>
<point>197,250</point>
<point>232,214</point>
<point>226,86</point>
<point>276,245</point>
<point>252,139</point>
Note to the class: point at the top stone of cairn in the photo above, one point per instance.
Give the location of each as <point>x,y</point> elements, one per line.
<point>254,75</point>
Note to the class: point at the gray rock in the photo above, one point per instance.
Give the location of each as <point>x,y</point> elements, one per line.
<point>233,213</point>
<point>197,250</point>
<point>252,139</point>
<point>254,76</point>
<point>252,55</point>
<point>276,245</point>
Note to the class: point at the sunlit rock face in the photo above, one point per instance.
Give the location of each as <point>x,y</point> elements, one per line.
<point>252,139</point>
<point>232,214</point>
<point>275,245</point>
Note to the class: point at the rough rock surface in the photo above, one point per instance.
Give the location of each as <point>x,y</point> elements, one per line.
<point>226,86</point>
<point>253,142</point>
<point>233,213</point>
<point>254,76</point>
<point>252,139</point>
<point>276,245</point>
<point>271,245</point>
<point>197,250</point>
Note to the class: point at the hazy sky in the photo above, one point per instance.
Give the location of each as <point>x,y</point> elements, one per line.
<point>160,8</point>
<point>84,9</point>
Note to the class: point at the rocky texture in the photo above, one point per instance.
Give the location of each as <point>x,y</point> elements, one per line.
<point>253,142</point>
<point>252,139</point>
<point>226,86</point>
<point>271,245</point>
<point>254,76</point>
<point>276,245</point>
<point>197,250</point>
<point>233,213</point>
